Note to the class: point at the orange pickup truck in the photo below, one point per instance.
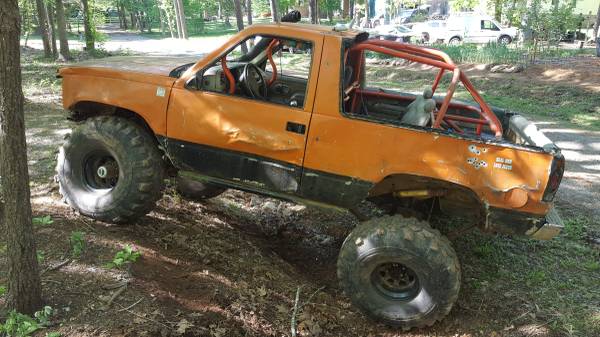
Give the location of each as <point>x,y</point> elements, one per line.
<point>316,115</point>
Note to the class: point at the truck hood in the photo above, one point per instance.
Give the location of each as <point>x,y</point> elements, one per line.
<point>156,65</point>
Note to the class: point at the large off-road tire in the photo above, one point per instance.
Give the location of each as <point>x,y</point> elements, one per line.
<point>110,169</point>
<point>399,271</point>
<point>197,190</point>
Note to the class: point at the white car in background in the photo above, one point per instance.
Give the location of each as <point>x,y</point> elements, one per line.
<point>434,31</point>
<point>400,33</point>
<point>471,28</point>
<point>478,28</point>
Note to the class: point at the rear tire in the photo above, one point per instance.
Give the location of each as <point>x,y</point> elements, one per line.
<point>399,271</point>
<point>110,169</point>
<point>197,190</point>
<point>505,39</point>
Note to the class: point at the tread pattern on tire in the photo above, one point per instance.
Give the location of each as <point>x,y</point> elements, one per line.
<point>414,234</point>
<point>144,157</point>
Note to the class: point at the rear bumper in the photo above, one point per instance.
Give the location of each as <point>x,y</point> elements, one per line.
<point>551,228</point>
<point>518,223</point>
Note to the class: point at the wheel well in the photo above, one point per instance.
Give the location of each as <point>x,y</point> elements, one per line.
<point>453,199</point>
<point>505,35</point>
<point>455,37</point>
<point>83,110</point>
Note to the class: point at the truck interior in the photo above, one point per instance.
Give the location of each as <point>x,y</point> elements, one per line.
<point>272,69</point>
<point>426,110</point>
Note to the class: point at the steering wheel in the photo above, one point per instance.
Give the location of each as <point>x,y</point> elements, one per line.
<point>254,82</point>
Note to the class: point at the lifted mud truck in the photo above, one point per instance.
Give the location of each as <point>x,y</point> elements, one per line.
<point>299,117</point>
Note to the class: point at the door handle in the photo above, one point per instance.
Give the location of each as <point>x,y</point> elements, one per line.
<point>295,127</point>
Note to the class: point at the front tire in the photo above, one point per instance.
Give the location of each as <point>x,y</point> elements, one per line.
<point>111,170</point>
<point>399,271</point>
<point>454,41</point>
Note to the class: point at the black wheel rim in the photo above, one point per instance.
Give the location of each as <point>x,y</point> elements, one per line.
<point>396,281</point>
<point>101,171</point>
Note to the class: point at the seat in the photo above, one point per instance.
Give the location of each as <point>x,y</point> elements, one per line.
<point>419,112</point>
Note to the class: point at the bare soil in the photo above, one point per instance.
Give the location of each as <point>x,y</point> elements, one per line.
<point>231,266</point>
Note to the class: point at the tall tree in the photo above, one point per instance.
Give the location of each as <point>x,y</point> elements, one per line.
<point>312,11</point>
<point>52,28</point>
<point>43,26</point>
<point>88,26</point>
<point>239,18</point>
<point>249,11</point>
<point>498,9</point>
<point>597,25</point>
<point>184,32</point>
<point>345,7</point>
<point>274,10</point>
<point>178,19</point>
<point>24,286</point>
<point>61,26</point>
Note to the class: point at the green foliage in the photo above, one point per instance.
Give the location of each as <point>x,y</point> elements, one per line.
<point>53,334</point>
<point>464,5</point>
<point>41,256</point>
<point>2,290</point>
<point>42,220</point>
<point>491,52</point>
<point>575,228</point>
<point>77,243</point>
<point>124,257</point>
<point>549,23</point>
<point>19,325</point>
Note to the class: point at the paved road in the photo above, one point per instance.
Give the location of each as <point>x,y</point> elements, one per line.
<point>136,43</point>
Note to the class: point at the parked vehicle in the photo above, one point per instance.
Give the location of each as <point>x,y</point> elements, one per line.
<point>476,28</point>
<point>320,133</point>
<point>410,15</point>
<point>400,33</point>
<point>434,31</point>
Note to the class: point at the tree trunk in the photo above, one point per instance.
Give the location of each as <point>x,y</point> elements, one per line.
<point>312,11</point>
<point>498,10</point>
<point>88,27</point>
<point>52,26</point>
<point>274,11</point>
<point>597,25</point>
<point>62,31</point>
<point>351,9</point>
<point>178,19</point>
<point>239,18</point>
<point>43,25</point>
<point>249,11</point>
<point>124,16</point>
<point>24,286</point>
<point>184,32</point>
<point>345,7</point>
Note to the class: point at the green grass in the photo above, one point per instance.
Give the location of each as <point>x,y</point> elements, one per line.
<point>553,284</point>
<point>498,53</point>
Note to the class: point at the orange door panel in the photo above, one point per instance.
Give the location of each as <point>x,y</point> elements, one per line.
<point>251,142</point>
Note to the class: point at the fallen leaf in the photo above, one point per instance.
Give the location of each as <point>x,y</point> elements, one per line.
<point>183,325</point>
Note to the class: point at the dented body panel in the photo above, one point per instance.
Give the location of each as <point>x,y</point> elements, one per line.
<point>336,159</point>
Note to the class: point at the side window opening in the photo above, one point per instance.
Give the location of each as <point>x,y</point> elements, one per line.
<point>379,87</point>
<point>266,68</point>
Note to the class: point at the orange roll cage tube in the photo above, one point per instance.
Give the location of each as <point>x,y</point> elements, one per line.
<point>438,59</point>
<point>229,75</point>
<point>272,45</point>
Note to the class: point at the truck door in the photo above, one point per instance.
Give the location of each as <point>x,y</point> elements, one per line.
<point>233,122</point>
